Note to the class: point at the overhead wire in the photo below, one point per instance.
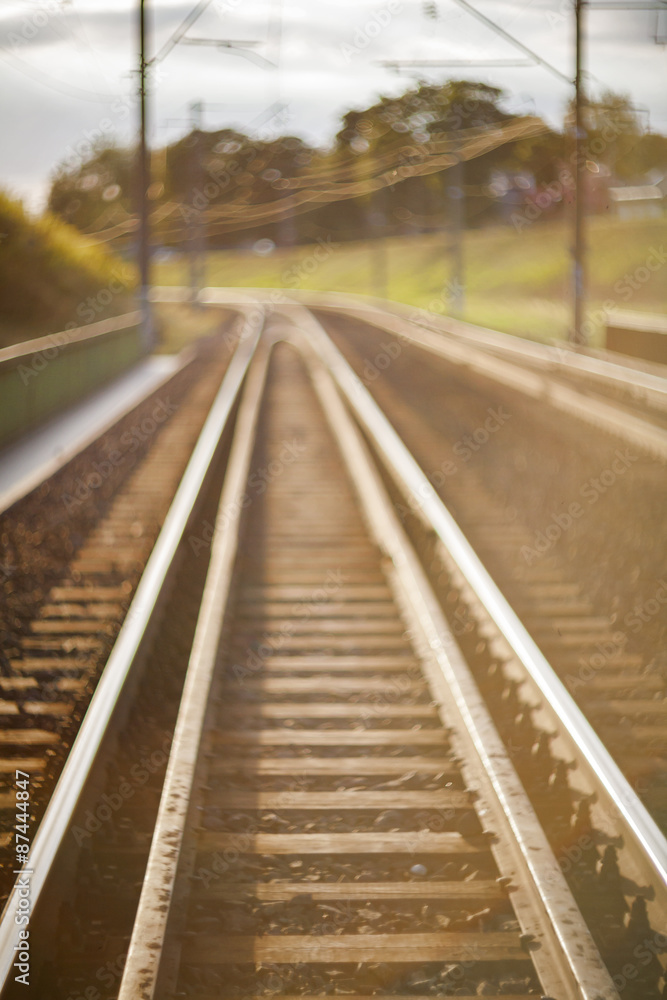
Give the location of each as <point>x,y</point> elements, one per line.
<point>512,40</point>
<point>242,215</point>
<point>177,35</point>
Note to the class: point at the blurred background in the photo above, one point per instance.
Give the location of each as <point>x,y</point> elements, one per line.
<point>420,151</point>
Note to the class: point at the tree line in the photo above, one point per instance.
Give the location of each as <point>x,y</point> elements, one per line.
<point>398,166</point>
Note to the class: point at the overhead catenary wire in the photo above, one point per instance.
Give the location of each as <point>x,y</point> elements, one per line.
<point>512,40</point>
<point>177,35</point>
<point>233,218</point>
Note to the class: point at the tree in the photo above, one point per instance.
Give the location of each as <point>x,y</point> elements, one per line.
<point>617,138</point>
<point>97,187</point>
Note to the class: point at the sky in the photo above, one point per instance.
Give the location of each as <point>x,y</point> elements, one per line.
<point>68,67</point>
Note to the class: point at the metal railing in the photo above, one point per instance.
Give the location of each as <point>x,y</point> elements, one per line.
<point>43,376</point>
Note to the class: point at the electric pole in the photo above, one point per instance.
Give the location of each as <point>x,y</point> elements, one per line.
<point>378,244</point>
<point>577,335</point>
<point>195,223</point>
<point>147,333</point>
<point>456,196</point>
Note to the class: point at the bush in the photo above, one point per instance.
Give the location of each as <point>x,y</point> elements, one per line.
<point>49,273</point>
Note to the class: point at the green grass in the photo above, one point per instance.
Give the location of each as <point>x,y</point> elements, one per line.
<point>515,281</point>
<point>179,323</point>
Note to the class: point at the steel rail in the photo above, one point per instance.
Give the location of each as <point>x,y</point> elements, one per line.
<point>142,970</point>
<point>652,387</point>
<point>641,834</point>
<point>60,811</point>
<point>567,961</point>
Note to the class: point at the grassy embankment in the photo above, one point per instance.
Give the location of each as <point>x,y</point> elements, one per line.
<point>50,277</point>
<point>515,281</point>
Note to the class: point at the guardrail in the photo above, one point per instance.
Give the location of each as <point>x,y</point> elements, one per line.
<point>43,376</point>
<point>599,367</point>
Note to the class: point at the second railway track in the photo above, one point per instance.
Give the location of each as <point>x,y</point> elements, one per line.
<point>588,587</point>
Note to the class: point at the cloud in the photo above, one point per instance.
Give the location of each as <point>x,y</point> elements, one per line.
<point>51,23</point>
<point>90,48</point>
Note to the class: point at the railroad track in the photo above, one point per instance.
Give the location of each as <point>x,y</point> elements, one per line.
<point>323,758</point>
<point>58,639</point>
<point>339,813</point>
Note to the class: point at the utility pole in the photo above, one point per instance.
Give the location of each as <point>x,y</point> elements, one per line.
<point>577,335</point>
<point>147,333</point>
<point>456,197</point>
<point>454,191</point>
<point>195,224</point>
<point>378,245</point>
